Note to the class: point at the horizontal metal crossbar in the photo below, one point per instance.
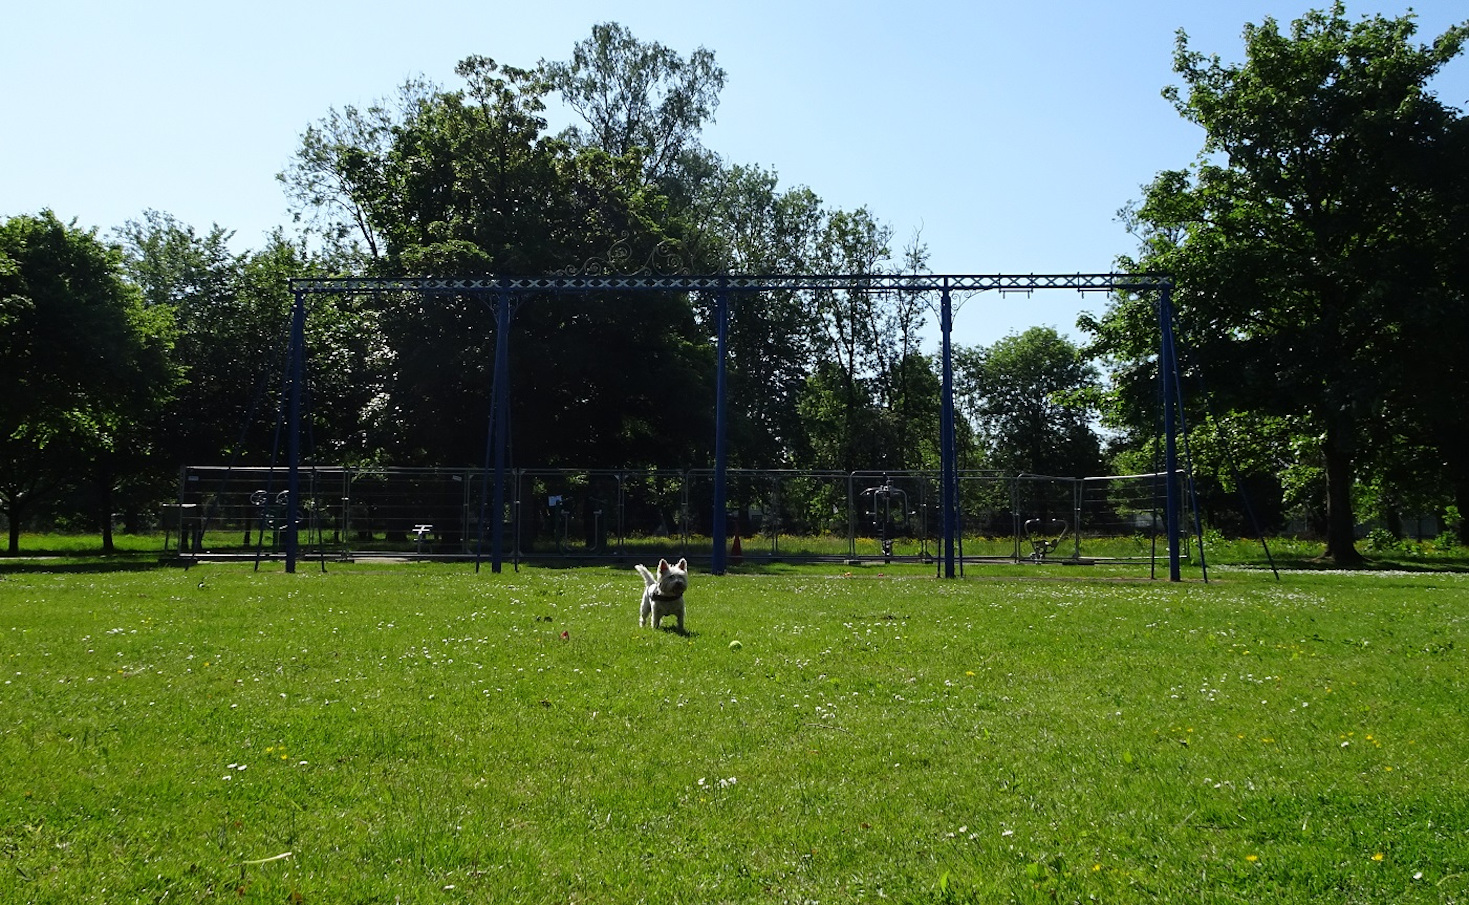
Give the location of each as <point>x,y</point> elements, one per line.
<point>1002,282</point>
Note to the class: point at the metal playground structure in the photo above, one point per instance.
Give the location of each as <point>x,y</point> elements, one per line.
<point>506,294</point>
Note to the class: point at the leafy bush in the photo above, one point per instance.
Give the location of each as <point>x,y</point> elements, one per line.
<point>1381,540</point>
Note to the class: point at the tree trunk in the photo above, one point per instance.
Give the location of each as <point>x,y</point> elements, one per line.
<point>13,509</point>
<point>104,511</point>
<point>1392,517</point>
<point>1341,524</point>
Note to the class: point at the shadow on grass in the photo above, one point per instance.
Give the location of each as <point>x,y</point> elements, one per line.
<point>58,560</point>
<point>41,563</point>
<point>1377,562</point>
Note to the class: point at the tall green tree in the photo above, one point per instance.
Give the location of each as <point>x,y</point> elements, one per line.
<point>907,383</point>
<point>1434,379</point>
<point>640,100</point>
<point>1030,398</point>
<point>749,225</point>
<point>338,172</point>
<point>345,354</point>
<point>232,315</point>
<point>471,185</point>
<point>194,279</point>
<point>88,364</point>
<point>1296,238</point>
<point>851,242</point>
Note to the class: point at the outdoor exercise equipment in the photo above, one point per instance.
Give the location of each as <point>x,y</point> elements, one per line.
<point>1045,535</point>
<point>886,508</point>
<point>507,292</point>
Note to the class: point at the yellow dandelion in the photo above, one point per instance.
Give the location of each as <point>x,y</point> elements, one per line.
<point>1252,858</point>
<point>1096,867</point>
<point>1377,857</point>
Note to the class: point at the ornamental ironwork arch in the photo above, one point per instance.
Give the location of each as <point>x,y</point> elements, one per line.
<point>505,292</point>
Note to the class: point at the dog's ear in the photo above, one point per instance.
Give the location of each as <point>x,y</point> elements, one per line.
<point>683,564</point>
<point>662,566</point>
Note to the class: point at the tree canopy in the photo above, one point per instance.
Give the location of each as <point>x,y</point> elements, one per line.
<point>640,100</point>
<point>1304,236</point>
<point>1031,397</point>
<point>88,364</point>
<point>1315,244</point>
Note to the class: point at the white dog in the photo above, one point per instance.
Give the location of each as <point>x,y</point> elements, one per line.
<point>663,593</point>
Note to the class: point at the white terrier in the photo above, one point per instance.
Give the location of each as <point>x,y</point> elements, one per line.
<point>663,593</point>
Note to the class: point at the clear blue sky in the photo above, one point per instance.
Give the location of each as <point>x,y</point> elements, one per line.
<point>1010,133</point>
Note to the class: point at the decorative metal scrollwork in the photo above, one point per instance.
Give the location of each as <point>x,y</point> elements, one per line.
<point>665,259</point>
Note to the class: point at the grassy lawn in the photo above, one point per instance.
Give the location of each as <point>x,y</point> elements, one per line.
<point>422,733</point>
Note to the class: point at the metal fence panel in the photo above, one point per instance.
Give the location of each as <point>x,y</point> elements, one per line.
<point>642,515</point>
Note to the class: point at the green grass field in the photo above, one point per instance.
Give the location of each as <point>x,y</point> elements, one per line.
<point>421,733</point>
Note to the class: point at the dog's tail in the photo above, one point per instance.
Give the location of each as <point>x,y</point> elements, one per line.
<point>649,578</point>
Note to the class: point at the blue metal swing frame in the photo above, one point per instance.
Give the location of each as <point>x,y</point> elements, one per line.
<point>506,291</point>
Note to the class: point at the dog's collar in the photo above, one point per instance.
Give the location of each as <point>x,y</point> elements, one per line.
<point>657,596</point>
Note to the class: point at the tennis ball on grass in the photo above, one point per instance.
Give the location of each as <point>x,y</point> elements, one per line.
<point>735,645</point>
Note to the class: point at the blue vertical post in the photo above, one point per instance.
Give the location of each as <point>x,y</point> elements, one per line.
<point>1167,373</point>
<point>501,427</point>
<point>293,426</point>
<point>948,447</point>
<point>721,429</point>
